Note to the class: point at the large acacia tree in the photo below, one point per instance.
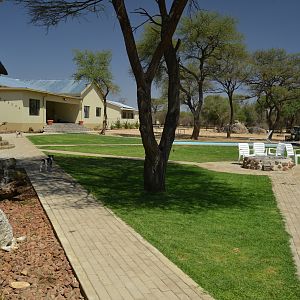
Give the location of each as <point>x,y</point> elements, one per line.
<point>231,71</point>
<point>95,67</point>
<point>275,82</point>
<point>203,38</point>
<point>49,13</point>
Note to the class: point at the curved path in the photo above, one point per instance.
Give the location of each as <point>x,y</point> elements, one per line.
<point>109,258</point>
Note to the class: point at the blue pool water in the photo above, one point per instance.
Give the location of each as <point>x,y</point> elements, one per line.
<point>196,143</point>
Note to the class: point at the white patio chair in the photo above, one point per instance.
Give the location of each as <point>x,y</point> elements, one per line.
<point>291,152</point>
<point>244,150</point>
<point>279,150</point>
<point>259,149</point>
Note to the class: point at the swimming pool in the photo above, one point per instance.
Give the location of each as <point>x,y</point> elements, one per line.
<point>197,143</point>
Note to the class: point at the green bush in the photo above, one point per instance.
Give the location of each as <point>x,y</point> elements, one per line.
<point>118,124</point>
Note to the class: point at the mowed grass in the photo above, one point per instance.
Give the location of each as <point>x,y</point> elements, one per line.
<point>80,138</point>
<point>224,230</point>
<point>179,153</point>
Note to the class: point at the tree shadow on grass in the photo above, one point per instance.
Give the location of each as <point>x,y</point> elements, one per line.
<point>118,183</point>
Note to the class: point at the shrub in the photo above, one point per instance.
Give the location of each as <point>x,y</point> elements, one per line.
<point>118,124</point>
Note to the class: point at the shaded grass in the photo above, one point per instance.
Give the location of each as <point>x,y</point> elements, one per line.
<point>183,153</point>
<point>81,138</point>
<point>224,230</point>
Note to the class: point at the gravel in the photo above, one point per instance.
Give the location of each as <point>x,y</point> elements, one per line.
<point>39,261</point>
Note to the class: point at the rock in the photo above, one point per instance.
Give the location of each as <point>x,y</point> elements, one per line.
<point>9,163</point>
<point>24,272</point>
<point>237,127</point>
<point>257,130</point>
<point>19,284</point>
<point>75,284</point>
<point>6,232</point>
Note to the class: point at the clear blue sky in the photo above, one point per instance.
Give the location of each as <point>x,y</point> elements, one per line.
<point>28,52</point>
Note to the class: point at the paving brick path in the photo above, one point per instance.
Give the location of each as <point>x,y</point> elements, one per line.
<point>110,259</point>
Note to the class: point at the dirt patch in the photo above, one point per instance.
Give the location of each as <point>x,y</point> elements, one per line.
<point>205,135</point>
<point>39,260</point>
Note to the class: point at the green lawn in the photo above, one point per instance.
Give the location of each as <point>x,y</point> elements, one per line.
<point>224,230</point>
<point>183,153</point>
<point>80,138</point>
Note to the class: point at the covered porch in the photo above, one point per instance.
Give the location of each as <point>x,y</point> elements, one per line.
<point>62,112</point>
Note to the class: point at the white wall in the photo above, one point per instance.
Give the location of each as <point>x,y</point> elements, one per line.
<point>93,99</point>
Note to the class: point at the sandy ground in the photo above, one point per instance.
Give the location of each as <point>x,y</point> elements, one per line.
<point>205,135</point>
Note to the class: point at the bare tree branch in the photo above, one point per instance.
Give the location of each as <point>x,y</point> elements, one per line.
<point>49,13</point>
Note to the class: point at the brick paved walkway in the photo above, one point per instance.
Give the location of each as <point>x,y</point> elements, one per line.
<point>110,259</point>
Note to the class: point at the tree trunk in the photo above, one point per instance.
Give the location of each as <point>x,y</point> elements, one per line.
<point>230,98</point>
<point>154,175</point>
<point>197,111</point>
<point>156,159</point>
<point>156,156</point>
<point>104,124</point>
<point>196,129</point>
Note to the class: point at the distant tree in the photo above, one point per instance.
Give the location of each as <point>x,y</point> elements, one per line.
<point>215,112</point>
<point>95,67</point>
<point>158,105</point>
<point>275,82</point>
<point>291,114</point>
<point>203,36</point>
<point>49,13</point>
<point>250,114</point>
<point>231,70</point>
<point>186,118</point>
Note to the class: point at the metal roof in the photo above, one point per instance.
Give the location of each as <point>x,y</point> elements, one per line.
<point>66,87</point>
<point>70,87</point>
<point>121,105</point>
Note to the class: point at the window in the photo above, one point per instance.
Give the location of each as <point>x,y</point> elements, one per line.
<point>34,107</point>
<point>127,115</point>
<point>98,111</point>
<point>86,111</point>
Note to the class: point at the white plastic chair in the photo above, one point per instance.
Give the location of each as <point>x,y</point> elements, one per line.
<point>259,149</point>
<point>244,150</point>
<point>290,152</point>
<point>279,150</point>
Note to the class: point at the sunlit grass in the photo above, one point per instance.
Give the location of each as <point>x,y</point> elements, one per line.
<point>81,138</point>
<point>183,153</point>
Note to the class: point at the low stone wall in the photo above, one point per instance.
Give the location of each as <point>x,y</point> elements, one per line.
<point>5,144</point>
<point>268,163</point>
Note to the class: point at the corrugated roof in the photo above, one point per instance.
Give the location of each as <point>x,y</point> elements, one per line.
<point>121,105</point>
<point>66,87</point>
<point>69,87</point>
<point>10,82</point>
